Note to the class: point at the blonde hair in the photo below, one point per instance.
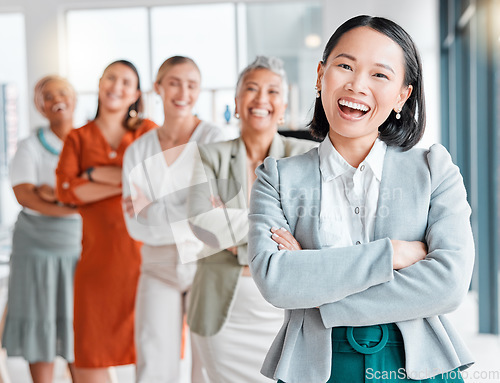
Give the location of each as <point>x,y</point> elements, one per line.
<point>40,86</point>
<point>171,62</point>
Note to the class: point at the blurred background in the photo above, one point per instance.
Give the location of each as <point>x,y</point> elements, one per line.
<point>459,41</point>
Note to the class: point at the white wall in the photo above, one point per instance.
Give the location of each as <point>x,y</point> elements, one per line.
<point>44,22</point>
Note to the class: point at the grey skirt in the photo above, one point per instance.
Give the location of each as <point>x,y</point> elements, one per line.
<point>39,322</point>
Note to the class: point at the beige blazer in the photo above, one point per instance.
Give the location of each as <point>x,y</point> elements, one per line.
<point>225,169</point>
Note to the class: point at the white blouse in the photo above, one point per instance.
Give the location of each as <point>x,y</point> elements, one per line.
<point>35,162</point>
<point>144,165</point>
<point>349,196</point>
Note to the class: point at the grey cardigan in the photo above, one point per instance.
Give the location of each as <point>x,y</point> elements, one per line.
<point>422,198</point>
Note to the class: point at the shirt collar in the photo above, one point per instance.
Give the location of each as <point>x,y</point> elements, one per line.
<point>333,165</point>
<point>375,159</point>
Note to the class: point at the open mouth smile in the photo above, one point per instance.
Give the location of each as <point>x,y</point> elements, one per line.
<point>180,103</point>
<point>259,112</point>
<point>353,109</point>
<point>59,107</point>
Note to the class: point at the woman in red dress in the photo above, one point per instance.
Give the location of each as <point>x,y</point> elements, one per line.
<point>89,176</point>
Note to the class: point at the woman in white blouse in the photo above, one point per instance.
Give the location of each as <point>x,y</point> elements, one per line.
<point>46,241</point>
<point>156,169</point>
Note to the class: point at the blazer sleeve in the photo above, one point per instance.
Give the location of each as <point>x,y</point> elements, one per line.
<point>433,286</point>
<point>69,170</point>
<point>306,278</point>
<point>218,226</point>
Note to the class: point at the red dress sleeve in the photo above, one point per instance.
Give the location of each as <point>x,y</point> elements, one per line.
<point>69,170</point>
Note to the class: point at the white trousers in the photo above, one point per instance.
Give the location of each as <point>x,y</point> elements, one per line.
<point>161,303</point>
<point>236,353</point>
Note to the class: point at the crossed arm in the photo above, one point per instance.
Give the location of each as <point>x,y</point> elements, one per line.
<point>41,199</point>
<point>379,282</point>
<point>405,253</point>
<point>73,184</point>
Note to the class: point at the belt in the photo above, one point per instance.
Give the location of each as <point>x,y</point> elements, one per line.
<point>366,340</point>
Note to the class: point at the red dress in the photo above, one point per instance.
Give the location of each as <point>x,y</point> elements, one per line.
<point>107,274</point>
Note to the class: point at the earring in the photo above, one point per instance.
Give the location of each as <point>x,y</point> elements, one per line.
<point>236,115</point>
<point>132,113</point>
<point>398,114</point>
<point>318,95</point>
<point>281,121</point>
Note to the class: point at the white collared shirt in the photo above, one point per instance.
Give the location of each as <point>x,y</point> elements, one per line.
<point>349,196</point>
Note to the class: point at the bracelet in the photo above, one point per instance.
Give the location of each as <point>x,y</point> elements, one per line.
<point>89,173</point>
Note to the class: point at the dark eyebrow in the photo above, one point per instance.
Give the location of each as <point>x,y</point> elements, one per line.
<point>386,67</point>
<point>347,56</point>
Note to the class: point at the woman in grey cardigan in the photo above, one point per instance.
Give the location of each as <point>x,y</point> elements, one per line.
<point>374,243</point>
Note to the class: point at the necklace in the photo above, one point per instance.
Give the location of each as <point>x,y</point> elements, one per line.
<point>45,144</point>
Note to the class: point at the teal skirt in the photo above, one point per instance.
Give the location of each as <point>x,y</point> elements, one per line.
<point>39,323</point>
<point>374,354</point>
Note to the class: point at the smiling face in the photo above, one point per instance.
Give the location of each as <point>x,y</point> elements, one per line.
<point>260,100</point>
<point>58,101</point>
<point>361,83</point>
<point>118,88</point>
<point>179,88</point>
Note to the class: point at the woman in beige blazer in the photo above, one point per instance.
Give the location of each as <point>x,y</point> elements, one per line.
<point>232,324</point>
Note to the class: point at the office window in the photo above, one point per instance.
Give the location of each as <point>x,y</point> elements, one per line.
<point>221,49</point>
<point>190,30</point>
<point>291,31</point>
<point>95,38</point>
<point>13,104</point>
<point>470,67</point>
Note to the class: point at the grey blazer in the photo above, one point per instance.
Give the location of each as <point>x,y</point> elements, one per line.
<point>422,198</point>
<point>225,166</point>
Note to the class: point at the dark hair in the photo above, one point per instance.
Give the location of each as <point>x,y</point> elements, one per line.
<point>408,130</point>
<point>130,122</point>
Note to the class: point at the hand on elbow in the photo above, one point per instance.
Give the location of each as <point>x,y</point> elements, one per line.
<point>406,253</point>
<point>47,193</point>
<point>284,239</point>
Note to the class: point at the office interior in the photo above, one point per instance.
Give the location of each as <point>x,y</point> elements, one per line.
<point>459,41</point>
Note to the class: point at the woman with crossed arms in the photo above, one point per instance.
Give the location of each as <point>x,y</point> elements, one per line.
<point>46,242</point>
<point>231,323</point>
<point>156,168</point>
<point>89,175</point>
<point>365,241</point>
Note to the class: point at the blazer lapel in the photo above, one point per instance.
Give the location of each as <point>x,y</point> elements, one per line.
<point>316,204</point>
<point>385,204</point>
<point>277,149</point>
<point>238,164</point>
<point>237,167</point>
<point>304,194</point>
